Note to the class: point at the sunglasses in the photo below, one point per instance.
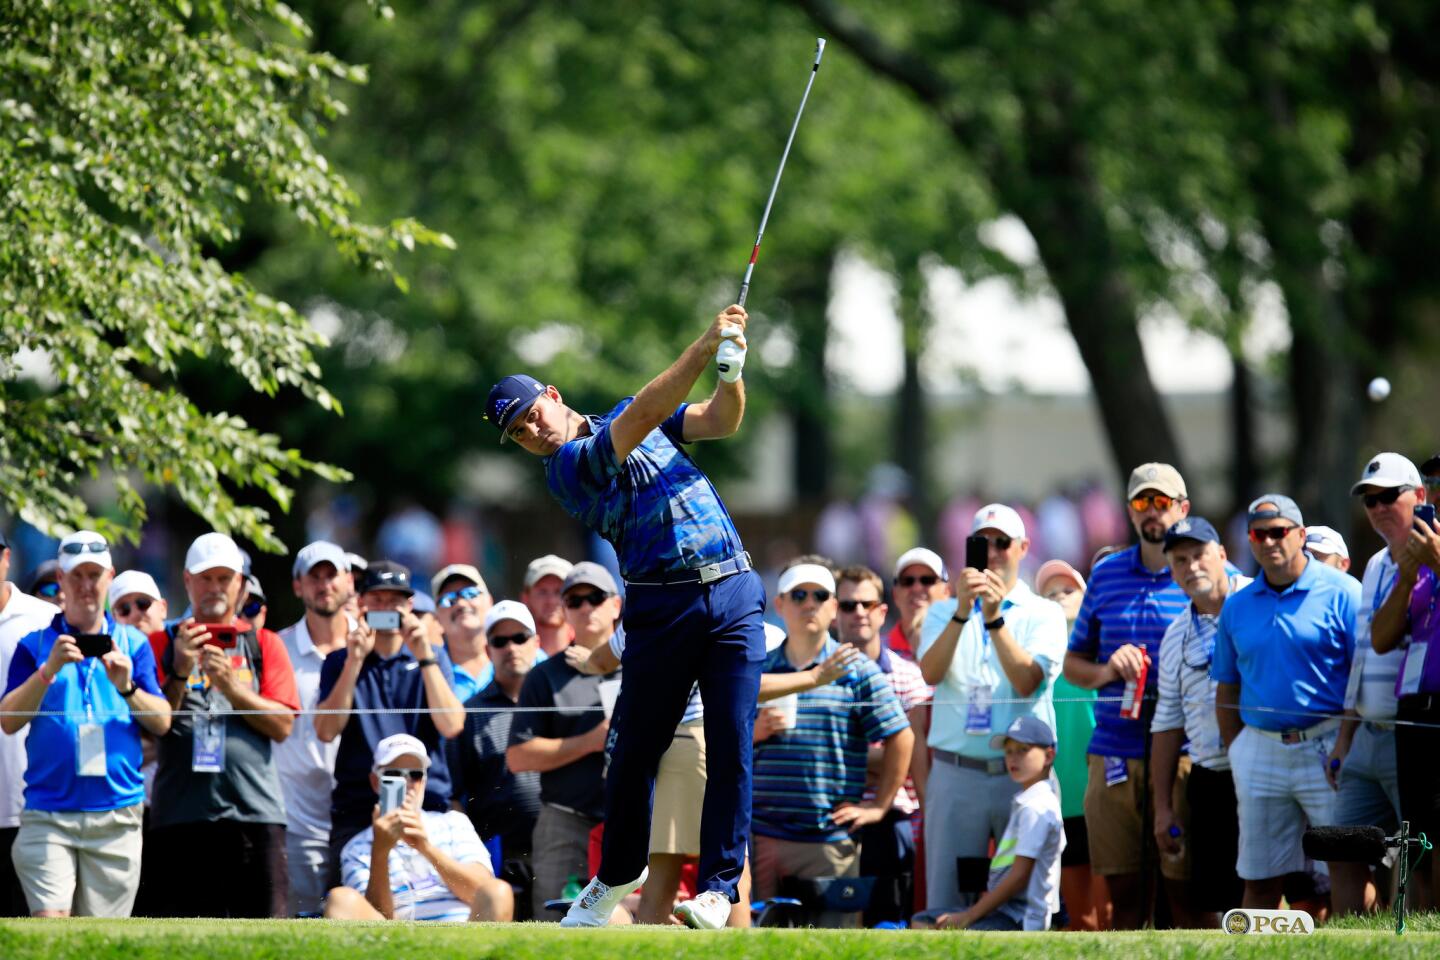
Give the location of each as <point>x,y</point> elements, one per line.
<point>999,543</point>
<point>800,595</point>
<point>501,642</point>
<point>1386,497</point>
<point>123,607</point>
<point>452,597</point>
<point>850,606</point>
<point>48,590</point>
<point>89,546</point>
<point>1159,500</point>
<point>1273,534</point>
<point>577,600</point>
<point>928,580</point>
<point>252,609</point>
<point>414,776</point>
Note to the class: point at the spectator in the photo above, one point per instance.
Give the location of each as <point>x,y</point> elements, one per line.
<point>254,609</point>
<point>1326,545</point>
<point>1130,601</point>
<point>993,653</point>
<point>1083,894</point>
<point>20,615</point>
<point>415,864</point>
<point>78,847</point>
<point>321,579</point>
<point>1295,621</point>
<point>401,681</point>
<point>1362,764</point>
<point>462,601</point>
<point>1196,825</point>
<point>1024,888</point>
<point>135,601</point>
<point>1430,476</point>
<point>544,581</point>
<point>566,745</point>
<point>810,777</point>
<point>920,580</point>
<point>887,848</point>
<point>502,805</point>
<point>216,786</point>
<point>45,583</point>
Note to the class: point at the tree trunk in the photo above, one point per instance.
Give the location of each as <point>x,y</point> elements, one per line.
<point>911,432</point>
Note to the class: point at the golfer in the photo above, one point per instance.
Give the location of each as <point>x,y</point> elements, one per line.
<point>693,604</point>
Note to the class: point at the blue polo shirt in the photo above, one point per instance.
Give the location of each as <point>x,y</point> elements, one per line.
<point>803,773</point>
<point>1124,603</point>
<point>84,694</point>
<point>396,683</point>
<point>657,509</point>
<point>1289,650</point>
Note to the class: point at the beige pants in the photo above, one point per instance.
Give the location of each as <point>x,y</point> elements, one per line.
<point>775,859</point>
<point>680,794</point>
<point>87,863</point>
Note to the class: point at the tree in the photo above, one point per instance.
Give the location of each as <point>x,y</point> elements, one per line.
<point>135,135</point>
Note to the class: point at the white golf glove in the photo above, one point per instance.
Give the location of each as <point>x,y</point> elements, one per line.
<point>730,357</point>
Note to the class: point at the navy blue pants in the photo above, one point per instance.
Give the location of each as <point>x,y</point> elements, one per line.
<point>676,636</point>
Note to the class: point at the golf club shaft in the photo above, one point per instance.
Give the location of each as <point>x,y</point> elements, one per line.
<point>765,217</point>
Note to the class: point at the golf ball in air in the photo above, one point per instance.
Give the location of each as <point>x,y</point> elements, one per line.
<point>1379,389</point>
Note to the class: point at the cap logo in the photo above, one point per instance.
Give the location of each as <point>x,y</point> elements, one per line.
<point>1151,473</point>
<point>991,515</point>
<point>502,405</point>
<point>1374,466</point>
<point>1183,526</point>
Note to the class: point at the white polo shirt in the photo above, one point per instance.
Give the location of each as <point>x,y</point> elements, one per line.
<point>416,887</point>
<point>305,763</point>
<point>22,615</point>
<point>1371,690</point>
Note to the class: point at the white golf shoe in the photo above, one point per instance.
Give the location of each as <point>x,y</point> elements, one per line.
<point>597,901</point>
<point>708,911</point>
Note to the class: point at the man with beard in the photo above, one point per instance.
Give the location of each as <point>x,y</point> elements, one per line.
<point>323,582</point>
<point>1131,600</point>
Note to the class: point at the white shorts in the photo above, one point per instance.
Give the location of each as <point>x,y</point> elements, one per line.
<point>87,863</point>
<point>1281,789</point>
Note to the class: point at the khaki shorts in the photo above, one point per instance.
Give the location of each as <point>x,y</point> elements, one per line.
<point>680,794</point>
<point>776,859</point>
<point>87,863</point>
<point>1113,820</point>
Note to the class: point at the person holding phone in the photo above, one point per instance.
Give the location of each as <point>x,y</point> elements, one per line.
<point>993,653</point>
<point>395,668</point>
<point>89,684</point>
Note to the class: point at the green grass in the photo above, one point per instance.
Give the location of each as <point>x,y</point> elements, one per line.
<point>321,940</point>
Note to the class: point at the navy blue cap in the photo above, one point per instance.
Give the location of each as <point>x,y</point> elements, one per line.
<point>1191,528</point>
<point>1027,729</point>
<point>510,398</point>
<point>386,575</point>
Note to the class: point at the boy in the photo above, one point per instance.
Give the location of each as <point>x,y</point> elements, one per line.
<point>1024,887</point>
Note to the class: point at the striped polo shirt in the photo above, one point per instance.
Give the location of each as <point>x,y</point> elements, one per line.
<point>803,773</point>
<point>1371,690</point>
<point>417,889</point>
<point>1125,603</point>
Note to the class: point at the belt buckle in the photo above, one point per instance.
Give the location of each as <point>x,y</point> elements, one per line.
<point>994,767</point>
<point>711,571</point>
<point>1292,736</point>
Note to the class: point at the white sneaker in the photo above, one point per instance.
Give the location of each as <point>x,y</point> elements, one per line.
<point>709,911</point>
<point>597,901</point>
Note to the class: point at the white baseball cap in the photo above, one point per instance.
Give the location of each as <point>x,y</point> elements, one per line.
<point>1387,470</point>
<point>84,546</point>
<point>399,745</point>
<point>546,566</point>
<point>924,557</point>
<point>806,573</point>
<point>321,551</point>
<point>997,516</point>
<point>510,610</point>
<point>133,581</point>
<point>463,570</point>
<point>1326,540</point>
<point>213,550</point>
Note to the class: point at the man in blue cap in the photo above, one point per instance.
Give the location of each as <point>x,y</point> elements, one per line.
<point>693,603</point>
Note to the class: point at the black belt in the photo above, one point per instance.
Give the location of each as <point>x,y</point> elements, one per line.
<point>706,574</point>
<point>992,768</point>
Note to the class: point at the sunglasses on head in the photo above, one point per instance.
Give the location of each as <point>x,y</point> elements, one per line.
<point>850,606</point>
<point>414,776</point>
<point>252,609</point>
<point>89,546</point>
<point>577,600</point>
<point>800,595</point>
<point>1160,501</point>
<point>48,590</point>
<point>926,580</point>
<point>123,607</point>
<point>503,641</point>
<point>1273,534</point>
<point>1386,497</point>
<point>450,598</point>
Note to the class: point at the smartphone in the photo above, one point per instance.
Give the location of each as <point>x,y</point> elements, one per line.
<point>977,552</point>
<point>382,619</point>
<point>94,644</point>
<point>392,794</point>
<point>221,635</point>
<point>1426,512</point>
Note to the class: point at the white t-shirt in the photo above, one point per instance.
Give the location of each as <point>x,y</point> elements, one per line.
<point>418,890</point>
<point>305,763</point>
<point>1036,830</point>
<point>22,615</point>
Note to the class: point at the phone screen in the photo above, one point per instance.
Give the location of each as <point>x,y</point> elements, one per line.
<point>977,552</point>
<point>94,644</point>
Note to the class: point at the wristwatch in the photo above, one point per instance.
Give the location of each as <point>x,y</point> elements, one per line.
<point>127,694</point>
<point>429,662</point>
<point>995,624</point>
<point>959,619</point>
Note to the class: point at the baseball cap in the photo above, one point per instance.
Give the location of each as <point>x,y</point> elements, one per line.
<point>924,557</point>
<point>399,745</point>
<point>421,602</point>
<point>356,561</point>
<point>1388,470</point>
<point>84,546</point>
<point>1057,568</point>
<point>48,571</point>
<point>253,590</point>
<point>510,398</point>
<point>997,516</point>
<point>586,573</point>
<point>1281,507</point>
<point>546,566</point>
<point>463,570</point>
<point>806,573</point>
<point>386,575</point>
<point>1027,729</point>
<point>1431,467</point>
<point>1160,477</point>
<point>133,581</point>
<point>510,610</point>
<point>211,551</point>
<point>1326,540</point>
<point>321,551</point>
<point>1191,528</point>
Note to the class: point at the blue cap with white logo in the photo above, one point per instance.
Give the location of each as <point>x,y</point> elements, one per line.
<point>1027,729</point>
<point>1191,528</point>
<point>510,398</point>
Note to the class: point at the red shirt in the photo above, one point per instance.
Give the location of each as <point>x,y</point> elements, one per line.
<point>895,641</point>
